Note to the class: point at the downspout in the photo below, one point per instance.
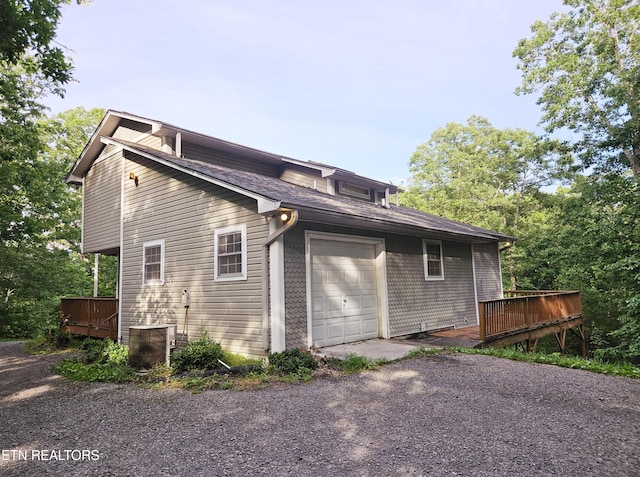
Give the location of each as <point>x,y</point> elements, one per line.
<point>121,251</point>
<point>265,274</point>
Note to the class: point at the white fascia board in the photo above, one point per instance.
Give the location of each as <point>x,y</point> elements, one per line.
<point>106,127</point>
<point>265,204</point>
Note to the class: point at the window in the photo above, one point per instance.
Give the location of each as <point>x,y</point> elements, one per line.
<point>153,262</point>
<point>433,266</point>
<point>354,190</point>
<point>231,253</point>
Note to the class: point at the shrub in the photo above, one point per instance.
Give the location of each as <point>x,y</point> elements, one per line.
<point>293,361</point>
<point>105,352</point>
<point>200,354</point>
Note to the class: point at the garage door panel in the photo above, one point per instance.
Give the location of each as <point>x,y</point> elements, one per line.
<point>352,277</point>
<point>344,281</point>
<point>333,277</point>
<point>334,304</point>
<point>369,302</point>
<point>370,328</point>
<point>368,277</point>
<point>352,303</point>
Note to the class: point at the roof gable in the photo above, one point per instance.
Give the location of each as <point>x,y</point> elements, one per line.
<point>112,119</point>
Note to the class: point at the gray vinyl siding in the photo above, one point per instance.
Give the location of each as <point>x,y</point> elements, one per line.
<point>232,161</point>
<point>101,205</point>
<point>488,276</point>
<point>304,177</point>
<point>185,212</point>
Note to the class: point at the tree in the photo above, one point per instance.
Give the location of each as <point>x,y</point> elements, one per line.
<point>33,266</point>
<point>492,178</point>
<point>39,254</point>
<point>28,27</point>
<point>593,245</point>
<point>585,64</point>
<point>31,68</point>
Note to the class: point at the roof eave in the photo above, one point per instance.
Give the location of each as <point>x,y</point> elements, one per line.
<point>346,219</point>
<point>92,149</point>
<point>266,205</point>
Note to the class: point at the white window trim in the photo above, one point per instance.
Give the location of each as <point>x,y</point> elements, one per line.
<point>427,277</point>
<point>242,228</point>
<point>145,245</point>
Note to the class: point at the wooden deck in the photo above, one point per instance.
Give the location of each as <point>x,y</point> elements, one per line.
<point>521,319</point>
<point>95,317</point>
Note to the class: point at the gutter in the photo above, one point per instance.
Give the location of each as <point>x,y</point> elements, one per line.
<point>265,274</point>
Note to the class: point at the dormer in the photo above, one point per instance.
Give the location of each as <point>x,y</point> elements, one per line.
<point>339,182</point>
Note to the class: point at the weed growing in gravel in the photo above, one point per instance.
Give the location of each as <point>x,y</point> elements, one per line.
<point>422,351</point>
<point>51,342</point>
<point>595,366</point>
<point>354,363</point>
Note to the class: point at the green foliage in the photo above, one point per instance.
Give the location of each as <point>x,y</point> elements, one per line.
<point>593,365</point>
<point>50,342</point>
<point>40,224</point>
<point>593,245</point>
<point>103,361</point>
<point>200,354</point>
<point>354,363</point>
<point>585,65</point>
<point>293,361</point>
<point>29,27</point>
<point>422,351</point>
<point>79,371</point>
<point>104,351</point>
<point>489,177</point>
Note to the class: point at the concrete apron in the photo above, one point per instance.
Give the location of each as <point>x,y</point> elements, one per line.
<point>372,349</point>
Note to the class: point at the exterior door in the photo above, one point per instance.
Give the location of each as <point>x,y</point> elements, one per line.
<point>344,292</point>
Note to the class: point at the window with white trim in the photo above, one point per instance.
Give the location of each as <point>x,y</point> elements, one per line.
<point>230,244</point>
<point>153,262</point>
<point>433,264</point>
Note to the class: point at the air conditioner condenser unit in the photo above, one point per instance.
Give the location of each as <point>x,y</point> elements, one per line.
<point>151,344</point>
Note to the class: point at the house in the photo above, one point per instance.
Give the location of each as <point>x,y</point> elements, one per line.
<point>265,252</point>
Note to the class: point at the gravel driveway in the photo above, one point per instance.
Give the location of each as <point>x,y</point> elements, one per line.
<point>436,415</point>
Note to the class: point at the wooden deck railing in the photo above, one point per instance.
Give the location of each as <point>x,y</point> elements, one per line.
<point>525,310</point>
<point>90,316</point>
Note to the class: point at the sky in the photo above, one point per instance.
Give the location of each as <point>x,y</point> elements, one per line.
<point>355,84</point>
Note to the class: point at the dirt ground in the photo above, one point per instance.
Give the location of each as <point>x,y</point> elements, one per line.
<point>436,415</point>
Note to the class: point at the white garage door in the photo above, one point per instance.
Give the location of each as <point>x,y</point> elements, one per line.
<point>344,292</point>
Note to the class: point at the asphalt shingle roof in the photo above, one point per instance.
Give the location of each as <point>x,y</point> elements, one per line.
<point>303,198</point>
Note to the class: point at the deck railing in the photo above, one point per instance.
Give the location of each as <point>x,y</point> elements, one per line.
<point>525,310</point>
<point>90,316</point>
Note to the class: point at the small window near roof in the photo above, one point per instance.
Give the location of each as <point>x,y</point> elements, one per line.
<point>433,265</point>
<point>231,253</point>
<point>354,190</point>
<point>153,262</point>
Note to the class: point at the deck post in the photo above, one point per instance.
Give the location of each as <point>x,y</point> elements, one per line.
<point>483,325</point>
